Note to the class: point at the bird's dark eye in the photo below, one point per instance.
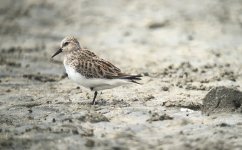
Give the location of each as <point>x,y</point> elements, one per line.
<point>66,43</point>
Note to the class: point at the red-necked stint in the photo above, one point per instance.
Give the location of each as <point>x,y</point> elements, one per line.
<point>88,70</point>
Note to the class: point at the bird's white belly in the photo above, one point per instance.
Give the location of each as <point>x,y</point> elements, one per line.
<point>95,83</point>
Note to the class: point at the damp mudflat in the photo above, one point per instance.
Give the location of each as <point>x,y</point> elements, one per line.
<point>184,50</point>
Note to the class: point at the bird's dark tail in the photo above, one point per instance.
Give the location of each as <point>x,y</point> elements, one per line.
<point>132,78</point>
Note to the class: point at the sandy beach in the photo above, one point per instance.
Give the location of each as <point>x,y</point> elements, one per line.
<point>188,51</point>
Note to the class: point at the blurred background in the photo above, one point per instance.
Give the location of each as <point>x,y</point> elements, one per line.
<point>149,31</point>
<point>183,47</point>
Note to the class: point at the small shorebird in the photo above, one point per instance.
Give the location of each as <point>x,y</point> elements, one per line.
<point>87,69</point>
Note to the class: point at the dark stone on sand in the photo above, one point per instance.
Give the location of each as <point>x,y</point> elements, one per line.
<point>165,88</point>
<point>146,74</point>
<point>222,99</point>
<point>41,78</point>
<point>93,117</point>
<point>158,117</point>
<point>223,125</point>
<point>156,25</point>
<point>90,143</point>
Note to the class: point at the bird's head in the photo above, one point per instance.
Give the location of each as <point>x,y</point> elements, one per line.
<point>68,44</point>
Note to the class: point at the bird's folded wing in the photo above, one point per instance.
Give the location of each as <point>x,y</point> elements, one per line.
<point>98,68</point>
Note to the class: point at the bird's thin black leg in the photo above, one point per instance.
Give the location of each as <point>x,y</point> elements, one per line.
<point>95,95</point>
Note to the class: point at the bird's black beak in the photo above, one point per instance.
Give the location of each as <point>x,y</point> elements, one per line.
<point>58,52</point>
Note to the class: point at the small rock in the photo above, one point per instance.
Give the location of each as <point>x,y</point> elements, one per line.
<point>93,117</point>
<point>149,97</point>
<point>217,54</point>
<point>223,125</point>
<point>204,81</point>
<point>41,78</point>
<point>157,117</point>
<point>156,25</point>
<point>90,143</point>
<point>222,99</point>
<point>227,65</point>
<point>170,66</point>
<point>87,132</point>
<point>194,70</point>
<point>8,90</point>
<point>165,88</point>
<point>203,71</point>
<point>27,66</point>
<point>75,131</point>
<point>64,75</point>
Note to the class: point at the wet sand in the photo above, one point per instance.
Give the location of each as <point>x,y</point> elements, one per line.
<point>183,48</point>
